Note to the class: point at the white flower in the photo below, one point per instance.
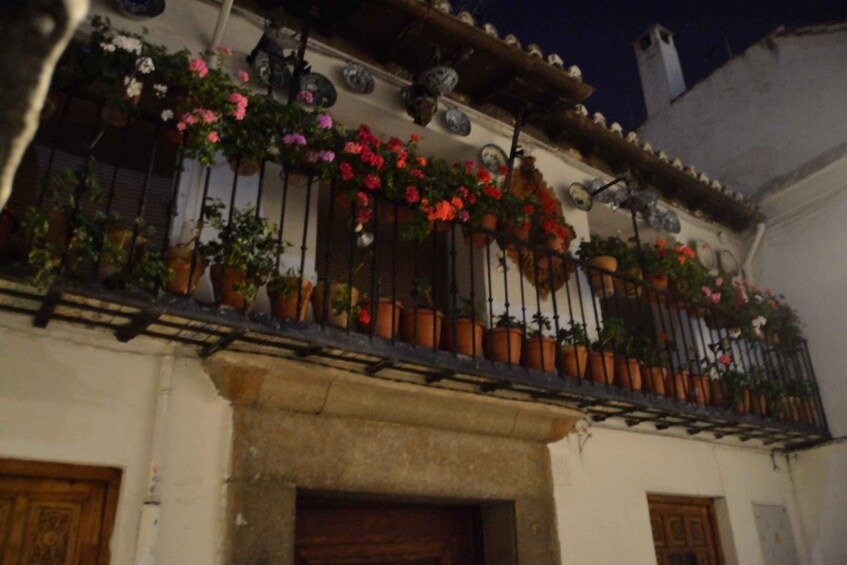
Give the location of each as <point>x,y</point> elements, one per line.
<point>759,322</point>
<point>757,297</point>
<point>735,333</point>
<point>273,150</point>
<point>108,47</point>
<point>133,87</point>
<point>161,88</point>
<point>131,44</point>
<point>167,115</point>
<point>145,65</point>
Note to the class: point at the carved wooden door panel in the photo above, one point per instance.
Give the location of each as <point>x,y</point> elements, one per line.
<point>335,533</point>
<point>55,521</point>
<point>684,531</point>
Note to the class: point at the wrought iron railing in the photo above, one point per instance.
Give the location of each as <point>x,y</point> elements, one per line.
<point>667,371</point>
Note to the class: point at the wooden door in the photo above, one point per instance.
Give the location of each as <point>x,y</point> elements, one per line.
<point>56,514</point>
<point>684,531</point>
<point>336,532</point>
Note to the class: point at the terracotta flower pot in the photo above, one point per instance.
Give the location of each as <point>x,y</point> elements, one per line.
<point>385,318</point>
<point>574,360</point>
<point>742,406</point>
<point>342,199</point>
<point>654,379</point>
<point>540,353</point>
<point>602,284</point>
<point>225,280</point>
<point>468,337</point>
<point>807,411</point>
<point>119,238</point>
<point>441,226</point>
<point>245,167</point>
<point>793,410</point>
<point>659,282</point>
<point>504,345</point>
<point>547,262</point>
<point>602,365</point>
<point>717,396</point>
<point>628,373</point>
<point>626,288</point>
<point>760,405</point>
<point>179,262</point>
<point>700,390</point>
<point>285,307</point>
<point>676,384</point>
<point>422,327</point>
<point>481,239</point>
<point>332,318</point>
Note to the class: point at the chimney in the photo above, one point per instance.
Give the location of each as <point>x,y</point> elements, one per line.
<point>659,69</point>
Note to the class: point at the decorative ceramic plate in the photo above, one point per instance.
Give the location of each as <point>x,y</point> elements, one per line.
<point>728,262</point>
<point>457,122</point>
<point>358,78</point>
<point>405,92</point>
<point>270,69</point>
<point>493,157</point>
<point>670,222</point>
<point>654,219</point>
<point>321,88</point>
<point>706,255</point>
<point>140,9</point>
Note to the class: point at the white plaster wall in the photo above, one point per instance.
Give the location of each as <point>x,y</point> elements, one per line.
<point>601,493</point>
<point>819,480</point>
<point>762,115</point>
<point>78,396</point>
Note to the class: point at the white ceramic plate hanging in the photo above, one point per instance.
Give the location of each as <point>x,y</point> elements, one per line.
<point>358,78</point>
<point>493,157</point>
<point>728,262</point>
<point>706,255</point>
<point>457,122</point>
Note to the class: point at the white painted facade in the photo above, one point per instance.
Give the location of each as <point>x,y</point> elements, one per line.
<point>772,122</point>
<point>77,395</point>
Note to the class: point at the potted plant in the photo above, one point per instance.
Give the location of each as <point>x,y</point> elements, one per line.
<point>514,226</point>
<point>699,386</point>
<point>602,356</point>
<point>469,330</point>
<point>575,344</point>
<point>629,349</point>
<point>627,266</point>
<point>737,385</point>
<point>550,230</point>
<point>383,317</point>
<point>179,258</point>
<point>595,252</point>
<point>422,324</point>
<point>343,305</point>
<point>539,348</point>
<point>503,341</point>
<point>288,289</point>
<point>247,254</point>
<point>656,263</point>
<point>656,364</point>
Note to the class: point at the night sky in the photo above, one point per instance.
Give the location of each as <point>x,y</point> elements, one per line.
<point>597,35</point>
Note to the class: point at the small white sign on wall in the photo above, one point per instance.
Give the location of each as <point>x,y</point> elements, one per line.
<point>775,535</point>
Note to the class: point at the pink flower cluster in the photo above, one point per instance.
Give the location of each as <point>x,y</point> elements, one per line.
<point>195,116</point>
<point>240,102</point>
<point>198,66</point>
<point>294,139</point>
<point>323,155</point>
<point>306,96</point>
<point>724,359</point>
<point>243,76</point>
<point>715,297</point>
<point>324,121</point>
<point>224,51</point>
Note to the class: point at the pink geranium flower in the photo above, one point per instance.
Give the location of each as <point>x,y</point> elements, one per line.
<point>213,137</point>
<point>224,51</point>
<point>306,96</point>
<point>198,66</point>
<point>243,76</point>
<point>324,121</point>
<point>724,359</point>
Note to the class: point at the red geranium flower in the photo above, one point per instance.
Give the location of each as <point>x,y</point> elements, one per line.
<point>346,171</point>
<point>364,317</point>
<point>372,181</point>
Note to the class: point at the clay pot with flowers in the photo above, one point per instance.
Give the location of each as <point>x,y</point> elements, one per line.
<point>382,317</point>
<point>337,306</point>
<point>628,282</point>
<point>596,253</point>
<point>484,204</point>
<point>629,349</point>
<point>515,221</point>
<point>601,360</point>
<point>289,294</point>
<point>575,344</point>
<point>503,341</point>
<point>422,323</point>
<point>466,338</point>
<point>737,385</point>
<point>656,368</point>
<point>248,251</point>
<point>550,230</point>
<point>539,350</point>
<point>656,262</point>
